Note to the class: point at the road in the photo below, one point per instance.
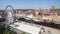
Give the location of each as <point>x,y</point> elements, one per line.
<point>47,29</point>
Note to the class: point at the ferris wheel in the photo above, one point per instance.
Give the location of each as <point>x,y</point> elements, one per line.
<point>10,18</point>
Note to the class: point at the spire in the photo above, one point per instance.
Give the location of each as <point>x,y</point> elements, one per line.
<point>53,7</point>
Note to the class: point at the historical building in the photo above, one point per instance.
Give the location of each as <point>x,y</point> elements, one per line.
<point>52,14</point>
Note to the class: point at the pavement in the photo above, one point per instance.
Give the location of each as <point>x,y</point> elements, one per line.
<point>48,30</point>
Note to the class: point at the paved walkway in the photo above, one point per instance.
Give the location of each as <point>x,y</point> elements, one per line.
<point>47,29</point>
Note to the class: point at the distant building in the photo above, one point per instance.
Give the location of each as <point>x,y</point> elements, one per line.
<point>2,13</point>
<point>46,14</point>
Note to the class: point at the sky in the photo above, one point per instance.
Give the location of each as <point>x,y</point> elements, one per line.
<point>29,4</point>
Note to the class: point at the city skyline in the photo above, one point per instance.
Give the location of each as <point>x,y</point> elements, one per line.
<point>29,4</point>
